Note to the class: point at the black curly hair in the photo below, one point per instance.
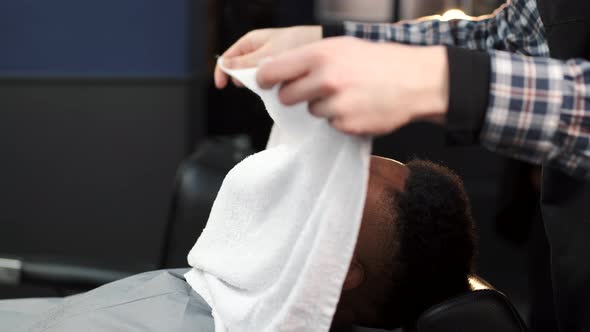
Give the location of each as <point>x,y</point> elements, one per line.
<point>434,241</point>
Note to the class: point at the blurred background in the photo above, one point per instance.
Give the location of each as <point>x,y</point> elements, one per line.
<point>108,107</point>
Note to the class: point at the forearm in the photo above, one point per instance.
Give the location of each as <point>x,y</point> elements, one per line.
<point>537,110</point>
<point>514,27</point>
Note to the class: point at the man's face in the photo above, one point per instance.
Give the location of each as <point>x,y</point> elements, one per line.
<point>368,278</point>
<point>374,241</point>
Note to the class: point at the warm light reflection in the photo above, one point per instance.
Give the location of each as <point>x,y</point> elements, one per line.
<point>455,14</point>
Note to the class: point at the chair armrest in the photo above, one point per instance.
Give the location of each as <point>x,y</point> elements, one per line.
<point>10,271</point>
<point>16,271</point>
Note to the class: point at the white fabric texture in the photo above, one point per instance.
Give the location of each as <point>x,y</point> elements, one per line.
<point>283,228</point>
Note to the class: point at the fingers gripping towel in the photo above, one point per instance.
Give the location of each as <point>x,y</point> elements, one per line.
<point>283,228</point>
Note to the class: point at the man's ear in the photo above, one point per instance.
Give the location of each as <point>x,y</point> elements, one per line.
<point>355,276</point>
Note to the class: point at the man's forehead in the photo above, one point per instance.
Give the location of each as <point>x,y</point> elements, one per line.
<point>389,172</point>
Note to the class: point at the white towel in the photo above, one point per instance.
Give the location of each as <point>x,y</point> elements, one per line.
<point>283,228</point>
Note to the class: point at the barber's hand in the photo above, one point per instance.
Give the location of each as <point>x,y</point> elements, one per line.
<point>361,87</point>
<point>259,44</point>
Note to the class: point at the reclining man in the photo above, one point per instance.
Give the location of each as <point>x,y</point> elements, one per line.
<point>415,249</point>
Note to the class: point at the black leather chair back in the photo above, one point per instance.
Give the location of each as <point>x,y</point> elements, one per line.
<point>484,310</point>
<point>198,180</point>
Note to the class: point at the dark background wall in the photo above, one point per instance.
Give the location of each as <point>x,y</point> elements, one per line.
<point>88,167</point>
<point>100,101</point>
<point>142,38</point>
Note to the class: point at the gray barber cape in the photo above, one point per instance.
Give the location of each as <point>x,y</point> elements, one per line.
<point>152,301</point>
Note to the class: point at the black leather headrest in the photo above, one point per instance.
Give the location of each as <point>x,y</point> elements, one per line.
<point>198,180</point>
<point>479,311</point>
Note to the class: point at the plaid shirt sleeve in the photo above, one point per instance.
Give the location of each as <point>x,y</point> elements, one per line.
<point>514,27</point>
<point>539,111</point>
<point>538,108</point>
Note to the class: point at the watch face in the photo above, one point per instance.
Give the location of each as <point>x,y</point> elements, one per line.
<point>367,11</point>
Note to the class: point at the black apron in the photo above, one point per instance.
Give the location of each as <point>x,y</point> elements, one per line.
<point>565,201</point>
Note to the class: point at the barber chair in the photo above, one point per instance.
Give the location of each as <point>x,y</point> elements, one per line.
<point>483,309</point>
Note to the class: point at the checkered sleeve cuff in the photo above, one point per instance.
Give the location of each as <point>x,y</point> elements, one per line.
<point>539,111</point>
<point>427,32</point>
<point>516,26</point>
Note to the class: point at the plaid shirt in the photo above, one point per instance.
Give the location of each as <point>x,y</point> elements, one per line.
<point>539,108</point>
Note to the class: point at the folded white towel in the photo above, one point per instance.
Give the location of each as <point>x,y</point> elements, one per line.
<point>283,228</point>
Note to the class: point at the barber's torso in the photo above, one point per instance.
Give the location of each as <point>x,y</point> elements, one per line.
<point>566,200</point>
<point>567,26</point>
